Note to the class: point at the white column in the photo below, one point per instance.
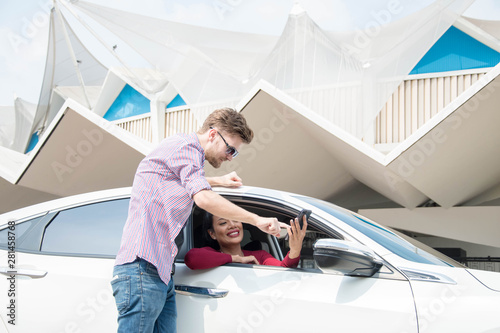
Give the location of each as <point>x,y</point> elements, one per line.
<point>158,108</point>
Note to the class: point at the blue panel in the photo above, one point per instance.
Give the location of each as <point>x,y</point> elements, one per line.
<point>33,142</point>
<point>456,50</point>
<point>128,103</point>
<point>177,101</point>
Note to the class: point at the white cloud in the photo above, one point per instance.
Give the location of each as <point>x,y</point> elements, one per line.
<point>22,67</point>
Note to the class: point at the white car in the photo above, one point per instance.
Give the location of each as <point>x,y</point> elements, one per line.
<point>354,274</point>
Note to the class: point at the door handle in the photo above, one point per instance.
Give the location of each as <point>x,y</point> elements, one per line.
<point>34,274</point>
<point>200,291</point>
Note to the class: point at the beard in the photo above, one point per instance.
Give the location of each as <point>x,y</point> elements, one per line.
<point>215,162</point>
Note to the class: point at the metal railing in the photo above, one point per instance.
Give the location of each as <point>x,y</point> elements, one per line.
<point>180,121</point>
<point>482,263</point>
<point>417,100</point>
<point>139,125</point>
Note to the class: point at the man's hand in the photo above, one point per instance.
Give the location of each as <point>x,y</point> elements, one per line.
<point>229,180</point>
<point>271,225</point>
<point>245,260</point>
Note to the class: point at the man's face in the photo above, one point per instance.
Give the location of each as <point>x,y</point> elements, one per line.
<point>216,152</point>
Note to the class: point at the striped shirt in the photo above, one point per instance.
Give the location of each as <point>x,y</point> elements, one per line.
<point>161,202</point>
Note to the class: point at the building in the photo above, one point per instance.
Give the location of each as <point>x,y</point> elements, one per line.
<point>405,134</point>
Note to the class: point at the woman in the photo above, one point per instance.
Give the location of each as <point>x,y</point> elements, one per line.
<point>226,236</point>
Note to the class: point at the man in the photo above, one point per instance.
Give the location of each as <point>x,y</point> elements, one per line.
<point>166,184</point>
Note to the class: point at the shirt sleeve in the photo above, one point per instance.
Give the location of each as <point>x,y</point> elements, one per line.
<point>187,163</point>
<point>206,257</point>
<point>292,263</point>
<point>265,258</point>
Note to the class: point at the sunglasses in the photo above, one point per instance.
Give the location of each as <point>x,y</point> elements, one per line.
<point>230,150</point>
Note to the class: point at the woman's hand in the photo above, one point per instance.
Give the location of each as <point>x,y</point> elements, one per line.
<point>296,236</point>
<point>245,260</point>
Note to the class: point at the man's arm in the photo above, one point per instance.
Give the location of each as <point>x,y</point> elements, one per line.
<point>229,180</point>
<point>219,206</point>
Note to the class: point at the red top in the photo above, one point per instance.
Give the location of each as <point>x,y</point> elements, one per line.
<point>207,257</point>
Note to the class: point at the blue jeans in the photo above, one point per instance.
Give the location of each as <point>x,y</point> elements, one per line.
<point>145,303</point>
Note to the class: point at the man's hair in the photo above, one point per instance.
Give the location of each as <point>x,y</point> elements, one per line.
<point>229,121</point>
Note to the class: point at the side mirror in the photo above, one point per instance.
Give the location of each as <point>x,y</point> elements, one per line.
<point>334,256</point>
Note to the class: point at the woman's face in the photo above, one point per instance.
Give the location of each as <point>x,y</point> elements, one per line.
<point>226,232</point>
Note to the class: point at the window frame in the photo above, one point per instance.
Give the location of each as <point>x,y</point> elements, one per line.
<point>32,240</point>
<point>73,254</point>
<point>32,237</point>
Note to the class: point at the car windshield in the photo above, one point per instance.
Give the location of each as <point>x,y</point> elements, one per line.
<point>379,234</point>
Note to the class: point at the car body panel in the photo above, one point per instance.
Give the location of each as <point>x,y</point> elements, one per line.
<point>488,278</point>
<point>75,294</point>
<point>466,306</point>
<point>270,299</point>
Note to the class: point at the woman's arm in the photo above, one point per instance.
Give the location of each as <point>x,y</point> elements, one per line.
<point>289,262</point>
<point>296,237</point>
<point>205,257</point>
<point>267,259</point>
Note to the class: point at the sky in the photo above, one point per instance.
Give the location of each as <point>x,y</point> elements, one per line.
<point>24,33</point>
<point>24,28</point>
<point>23,46</point>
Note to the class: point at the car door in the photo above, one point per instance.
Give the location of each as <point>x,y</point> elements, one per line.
<point>254,298</point>
<point>264,299</point>
<point>64,263</point>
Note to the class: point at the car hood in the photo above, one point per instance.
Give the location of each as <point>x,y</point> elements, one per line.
<point>488,278</point>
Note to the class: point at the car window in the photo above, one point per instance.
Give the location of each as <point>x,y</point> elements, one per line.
<point>383,236</point>
<point>251,233</point>
<point>306,254</point>
<point>20,230</point>
<point>93,229</point>
<point>255,239</point>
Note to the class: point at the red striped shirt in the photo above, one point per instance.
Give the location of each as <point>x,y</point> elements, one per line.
<point>161,202</point>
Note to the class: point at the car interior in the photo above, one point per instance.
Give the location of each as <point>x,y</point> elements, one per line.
<point>255,239</point>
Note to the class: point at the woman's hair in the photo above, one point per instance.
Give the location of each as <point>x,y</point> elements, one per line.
<point>228,121</point>
<point>207,224</point>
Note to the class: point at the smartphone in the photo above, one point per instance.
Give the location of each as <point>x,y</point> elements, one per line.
<point>300,216</point>
<point>303,212</point>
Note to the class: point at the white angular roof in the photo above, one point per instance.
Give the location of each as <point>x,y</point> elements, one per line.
<point>452,160</point>
<point>79,152</point>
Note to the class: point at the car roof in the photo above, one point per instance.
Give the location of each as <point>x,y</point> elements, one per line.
<point>63,202</point>
<point>90,197</point>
